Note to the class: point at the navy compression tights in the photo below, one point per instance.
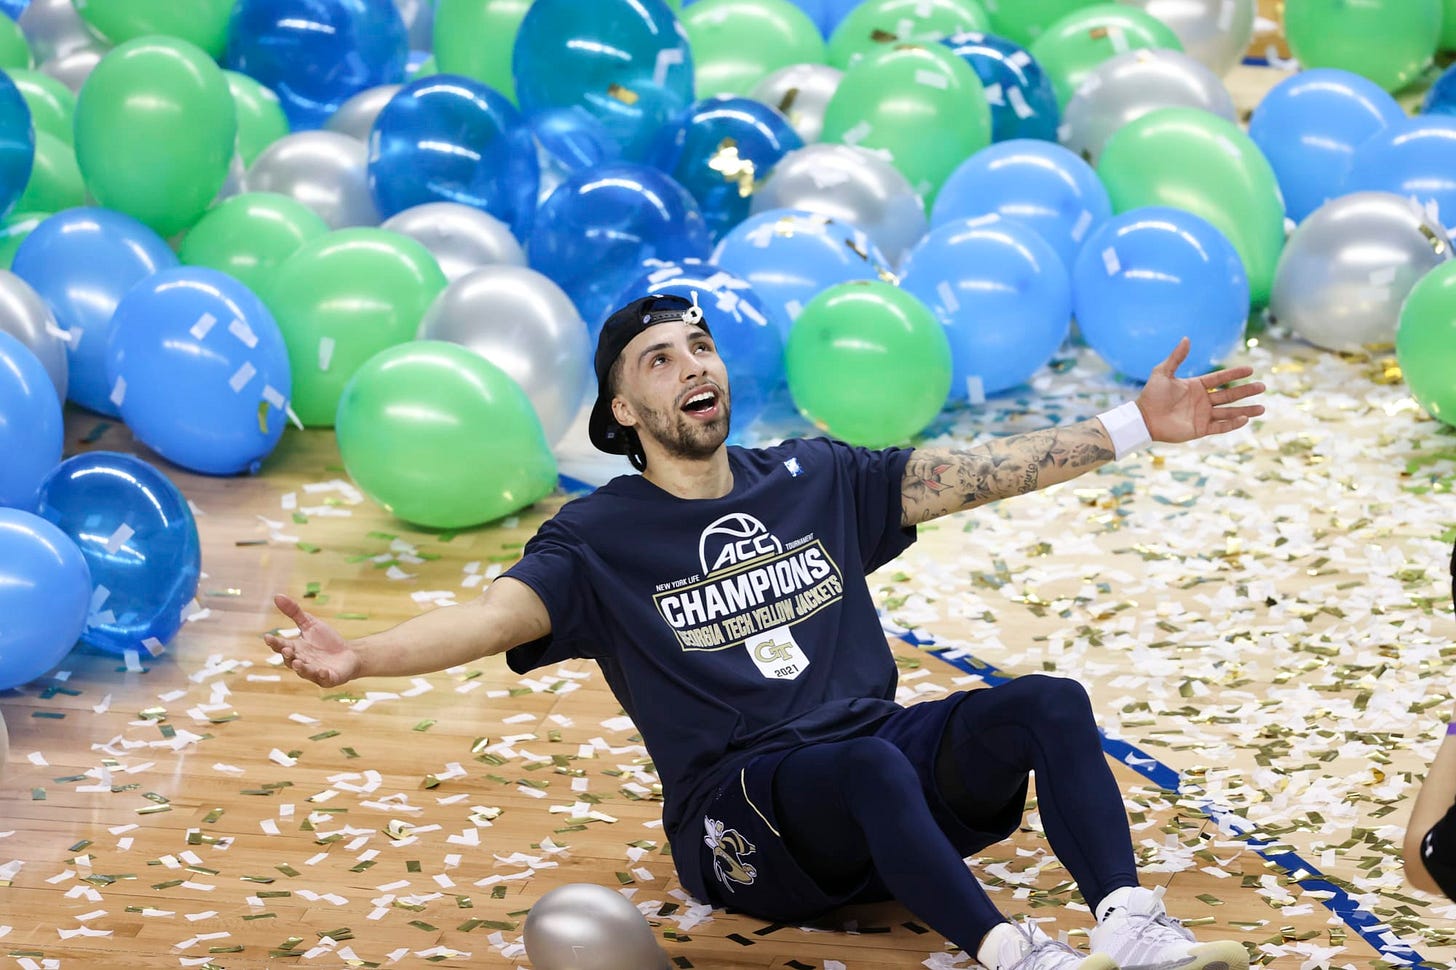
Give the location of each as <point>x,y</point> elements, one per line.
<point>847,806</point>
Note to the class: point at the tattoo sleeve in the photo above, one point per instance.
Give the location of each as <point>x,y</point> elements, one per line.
<point>939,481</point>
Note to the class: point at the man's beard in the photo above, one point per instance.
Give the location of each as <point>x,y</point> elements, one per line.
<point>682,437</point>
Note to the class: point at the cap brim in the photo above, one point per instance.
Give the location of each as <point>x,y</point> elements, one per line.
<point>603,430</point>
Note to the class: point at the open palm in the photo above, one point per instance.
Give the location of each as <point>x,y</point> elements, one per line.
<point>319,654</point>
<point>1181,409</point>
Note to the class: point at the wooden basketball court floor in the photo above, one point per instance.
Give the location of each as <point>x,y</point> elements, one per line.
<point>1263,622</point>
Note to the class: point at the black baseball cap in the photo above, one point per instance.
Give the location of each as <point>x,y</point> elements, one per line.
<point>605,433</point>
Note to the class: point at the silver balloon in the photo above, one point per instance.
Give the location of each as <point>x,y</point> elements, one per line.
<point>801,92</point>
<point>74,67</point>
<point>419,20</point>
<point>326,171</point>
<point>1349,266</point>
<point>1126,87</point>
<point>1216,33</point>
<point>355,117</point>
<point>582,926</point>
<point>462,238</point>
<point>519,320</point>
<point>53,28</point>
<point>25,316</point>
<point>853,185</point>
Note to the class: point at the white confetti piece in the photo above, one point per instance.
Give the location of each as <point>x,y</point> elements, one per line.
<point>325,352</point>
<point>244,333</point>
<point>203,326</point>
<point>119,538</point>
<point>1110,262</point>
<point>118,392</point>
<point>932,79</point>
<point>242,376</point>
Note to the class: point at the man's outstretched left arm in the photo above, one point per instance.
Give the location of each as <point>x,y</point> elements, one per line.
<point>939,481</point>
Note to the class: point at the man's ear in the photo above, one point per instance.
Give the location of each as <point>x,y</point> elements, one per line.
<point>623,413</point>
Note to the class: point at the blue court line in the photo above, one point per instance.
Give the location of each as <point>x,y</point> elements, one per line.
<point>1361,921</point>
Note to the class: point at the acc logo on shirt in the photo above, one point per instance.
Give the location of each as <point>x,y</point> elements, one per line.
<point>735,538</point>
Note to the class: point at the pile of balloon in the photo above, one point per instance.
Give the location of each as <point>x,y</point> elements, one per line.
<point>404,219</point>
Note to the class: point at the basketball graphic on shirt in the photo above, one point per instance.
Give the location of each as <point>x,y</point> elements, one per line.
<point>734,539</point>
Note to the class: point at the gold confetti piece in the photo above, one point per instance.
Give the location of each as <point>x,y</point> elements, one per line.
<point>625,95</point>
<point>422,925</point>
<point>425,725</point>
<point>153,809</point>
<point>212,816</point>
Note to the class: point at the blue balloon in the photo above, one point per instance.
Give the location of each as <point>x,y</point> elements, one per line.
<point>1309,126</point>
<point>1414,157</point>
<point>17,143</point>
<point>719,149</point>
<point>569,140</point>
<point>1002,294</point>
<point>1044,186</point>
<point>747,337</point>
<point>200,369</point>
<point>593,234</point>
<point>1023,101</point>
<point>13,8</point>
<point>790,256</point>
<point>826,14</point>
<point>31,429</point>
<point>1441,98</point>
<point>317,54</point>
<point>137,534</point>
<point>82,261</point>
<point>1149,277</point>
<point>45,589</point>
<point>447,138</point>
<point>626,62</point>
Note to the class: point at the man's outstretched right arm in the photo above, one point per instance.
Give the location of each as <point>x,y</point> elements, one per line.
<point>508,614</point>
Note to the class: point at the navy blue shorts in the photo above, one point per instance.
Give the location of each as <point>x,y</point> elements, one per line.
<point>744,865</point>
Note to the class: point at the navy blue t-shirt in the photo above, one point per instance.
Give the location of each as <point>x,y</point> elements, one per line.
<point>728,627</point>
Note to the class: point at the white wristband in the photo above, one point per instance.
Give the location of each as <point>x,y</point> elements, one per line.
<point>1126,427</point>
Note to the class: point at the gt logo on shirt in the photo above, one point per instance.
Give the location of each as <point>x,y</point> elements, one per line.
<point>777,654</point>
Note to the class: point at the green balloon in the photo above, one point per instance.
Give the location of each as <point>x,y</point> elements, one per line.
<point>261,121</point>
<point>249,236</point>
<point>200,22</point>
<point>1425,342</point>
<point>476,37</point>
<point>441,437</point>
<point>1448,26</point>
<point>155,131</point>
<point>868,363</point>
<point>922,104</point>
<point>877,24</point>
<point>1023,21</point>
<point>14,51</point>
<point>339,300</point>
<point>55,180</point>
<point>1388,41</point>
<point>1071,48</point>
<point>737,43</point>
<point>13,230</point>
<point>1192,160</point>
<point>52,105</point>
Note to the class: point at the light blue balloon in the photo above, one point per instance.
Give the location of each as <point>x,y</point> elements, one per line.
<point>593,234</point>
<point>1023,101</point>
<point>627,62</point>
<point>1309,126</point>
<point>448,138</point>
<point>31,428</point>
<point>45,589</point>
<point>17,144</point>
<point>747,336</point>
<point>1002,294</point>
<point>137,534</point>
<point>1042,185</point>
<point>790,256</point>
<point>317,54</point>
<point>1414,157</point>
<point>205,370</point>
<point>82,262</point>
<point>719,149</point>
<point>1149,277</point>
<point>13,8</point>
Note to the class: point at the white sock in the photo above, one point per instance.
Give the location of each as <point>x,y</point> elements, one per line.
<point>988,955</point>
<point>1113,900</point>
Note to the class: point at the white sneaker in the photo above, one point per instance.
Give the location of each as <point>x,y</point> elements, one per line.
<point>1023,946</point>
<point>1140,935</point>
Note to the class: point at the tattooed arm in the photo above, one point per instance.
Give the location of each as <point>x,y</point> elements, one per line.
<point>939,481</point>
